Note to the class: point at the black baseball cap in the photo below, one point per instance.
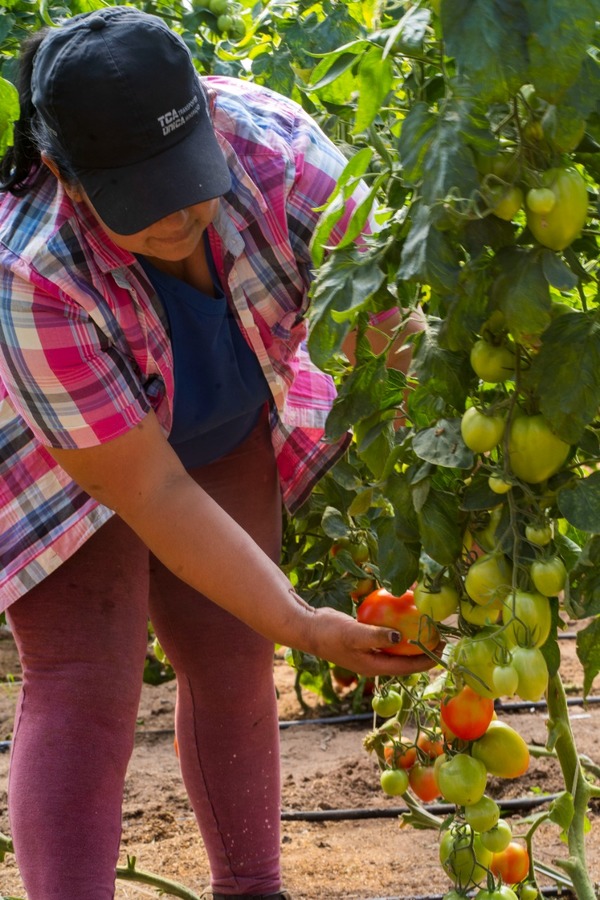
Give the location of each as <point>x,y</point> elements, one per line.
<point>118,89</point>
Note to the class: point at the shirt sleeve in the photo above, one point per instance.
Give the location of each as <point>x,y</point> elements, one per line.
<point>73,387</point>
<point>318,165</point>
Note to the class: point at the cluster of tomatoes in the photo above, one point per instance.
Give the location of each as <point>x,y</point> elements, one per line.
<point>227,14</point>
<point>450,759</point>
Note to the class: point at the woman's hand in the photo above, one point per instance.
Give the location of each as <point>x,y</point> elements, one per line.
<point>340,639</point>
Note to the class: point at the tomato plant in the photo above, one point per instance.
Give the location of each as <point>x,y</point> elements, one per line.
<point>463,856</point>
<point>384,608</point>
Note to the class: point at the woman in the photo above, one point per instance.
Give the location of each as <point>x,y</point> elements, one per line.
<point>157,406</point>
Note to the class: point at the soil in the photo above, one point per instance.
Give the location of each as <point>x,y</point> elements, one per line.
<point>326,772</point>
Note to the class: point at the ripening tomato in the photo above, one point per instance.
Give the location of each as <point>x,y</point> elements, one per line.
<point>439,604</point>
<point>481,432</point>
<point>483,815</point>
<point>506,202</point>
<point>431,744</point>
<point>532,670</point>
<point>528,619</point>
<point>423,782</point>
<point>467,714</point>
<point>343,677</point>
<point>535,452</point>
<point>463,856</point>
<point>502,751</point>
<point>394,782</point>
<point>512,864</point>
<point>383,608</point>
<point>478,615</point>
<point>540,200</point>
<point>488,579</point>
<point>491,363</point>
<point>549,575</point>
<point>400,755</point>
<point>462,779</point>
<point>506,680</point>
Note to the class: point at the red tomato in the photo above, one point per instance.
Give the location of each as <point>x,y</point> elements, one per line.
<point>383,608</point>
<point>511,864</point>
<point>467,714</point>
<point>423,782</point>
<point>431,744</point>
<point>400,755</point>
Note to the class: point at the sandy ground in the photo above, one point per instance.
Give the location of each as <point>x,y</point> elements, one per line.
<point>325,772</point>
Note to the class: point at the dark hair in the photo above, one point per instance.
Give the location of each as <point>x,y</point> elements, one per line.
<point>32,137</point>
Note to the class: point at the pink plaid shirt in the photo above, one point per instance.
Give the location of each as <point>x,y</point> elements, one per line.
<point>84,351</point>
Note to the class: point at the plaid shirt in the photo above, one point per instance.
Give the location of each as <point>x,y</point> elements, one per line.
<point>84,350</point>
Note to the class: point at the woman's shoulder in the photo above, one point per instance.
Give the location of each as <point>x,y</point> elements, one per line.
<point>28,220</point>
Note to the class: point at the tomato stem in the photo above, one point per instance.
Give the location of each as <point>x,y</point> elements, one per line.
<point>165,885</point>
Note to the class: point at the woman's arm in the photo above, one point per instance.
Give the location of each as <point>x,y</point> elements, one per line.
<point>140,477</point>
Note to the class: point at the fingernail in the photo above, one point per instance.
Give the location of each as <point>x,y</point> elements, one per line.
<point>395,637</point>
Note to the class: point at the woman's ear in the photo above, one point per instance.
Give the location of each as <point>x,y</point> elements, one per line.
<point>73,191</point>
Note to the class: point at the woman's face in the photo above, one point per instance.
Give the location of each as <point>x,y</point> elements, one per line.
<point>171,239</point>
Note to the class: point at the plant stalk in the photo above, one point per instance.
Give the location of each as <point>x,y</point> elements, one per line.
<point>560,732</point>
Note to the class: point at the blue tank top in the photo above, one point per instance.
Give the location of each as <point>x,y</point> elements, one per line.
<point>220,387</point>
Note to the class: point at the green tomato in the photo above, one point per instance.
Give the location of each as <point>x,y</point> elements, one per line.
<point>540,535</point>
<point>394,782</point>
<point>559,227</point>
<point>540,200</point>
<point>506,680</point>
<point>238,28</point>
<point>503,892</point>
<point>502,750</point>
<point>388,704</point>
<point>488,579</point>
<point>463,856</point>
<point>549,576</point>
<point>535,452</point>
<point>438,605</point>
<point>532,670</point>
<point>498,484</point>
<point>477,657</point>
<point>506,202</point>
<point>218,7</point>
<point>492,363</point>
<point>483,815</point>
<point>224,23</point>
<point>461,779</point>
<point>478,615</point>
<point>529,892</point>
<point>498,837</point>
<point>528,619</point>
<point>481,432</point>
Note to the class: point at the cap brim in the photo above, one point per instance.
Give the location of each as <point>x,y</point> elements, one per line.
<point>132,198</point>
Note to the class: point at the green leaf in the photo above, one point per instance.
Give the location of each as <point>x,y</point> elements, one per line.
<point>557,273</point>
<point>566,374</point>
<point>398,561</point>
<point>9,113</point>
<point>448,369</point>
<point>585,580</point>
<point>375,76</point>
<point>399,493</point>
<point>334,524</point>
<point>359,397</point>
<point>429,255</point>
<point>441,534</point>
<point>487,39</point>
<point>558,30</point>
<point>562,810</point>
<point>588,651</point>
<point>443,445</point>
<point>521,292</point>
<point>579,502</point>
<point>415,139</point>
<point>408,34</point>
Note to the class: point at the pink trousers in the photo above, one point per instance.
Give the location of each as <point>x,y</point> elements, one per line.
<point>82,637</point>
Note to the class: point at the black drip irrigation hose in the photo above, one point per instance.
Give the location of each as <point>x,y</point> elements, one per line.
<point>520,804</point>
<point>545,891</point>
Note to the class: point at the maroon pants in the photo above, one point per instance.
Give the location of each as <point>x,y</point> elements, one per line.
<point>82,636</point>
